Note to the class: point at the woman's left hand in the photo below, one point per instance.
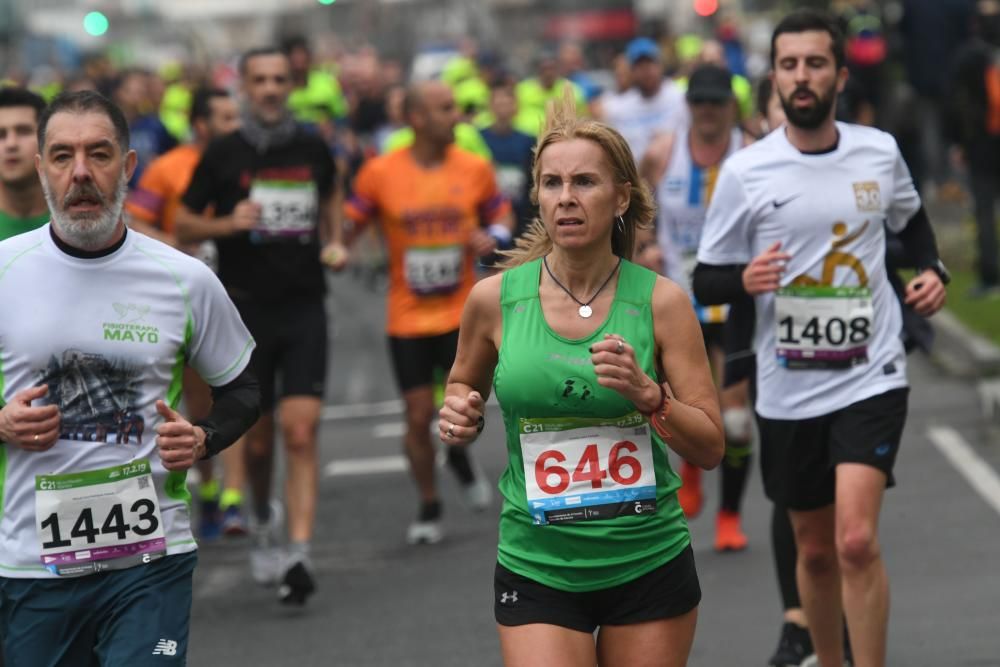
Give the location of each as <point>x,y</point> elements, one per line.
<point>616,368</point>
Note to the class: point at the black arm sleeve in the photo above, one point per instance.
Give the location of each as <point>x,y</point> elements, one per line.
<point>235,408</point>
<point>919,245</point>
<point>718,284</point>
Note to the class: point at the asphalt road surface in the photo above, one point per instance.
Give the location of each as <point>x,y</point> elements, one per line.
<point>383,603</point>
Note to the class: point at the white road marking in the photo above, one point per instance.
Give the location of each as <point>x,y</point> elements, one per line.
<point>376,409</point>
<point>217,582</point>
<point>964,458</point>
<point>389,430</point>
<point>377,464</point>
<point>362,410</point>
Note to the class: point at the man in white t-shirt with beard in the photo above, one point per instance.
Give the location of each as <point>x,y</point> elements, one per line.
<point>96,551</point>
<point>798,221</point>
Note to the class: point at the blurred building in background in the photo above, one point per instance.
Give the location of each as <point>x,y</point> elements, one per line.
<point>58,33</point>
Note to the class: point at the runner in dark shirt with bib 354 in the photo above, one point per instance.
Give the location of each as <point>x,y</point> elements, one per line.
<point>272,188</point>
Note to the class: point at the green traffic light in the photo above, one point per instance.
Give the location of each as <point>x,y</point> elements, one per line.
<point>326,2</point>
<point>95,23</point>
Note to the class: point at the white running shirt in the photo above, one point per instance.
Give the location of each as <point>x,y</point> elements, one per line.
<point>639,118</point>
<point>829,212</point>
<point>682,197</point>
<point>109,336</point>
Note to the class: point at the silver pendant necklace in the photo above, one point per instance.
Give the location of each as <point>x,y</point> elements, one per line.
<point>584,310</point>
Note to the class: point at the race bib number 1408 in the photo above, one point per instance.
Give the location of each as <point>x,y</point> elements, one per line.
<point>823,327</point>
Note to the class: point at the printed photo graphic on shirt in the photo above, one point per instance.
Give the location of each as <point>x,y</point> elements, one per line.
<point>868,196</point>
<point>97,397</point>
<point>821,325</point>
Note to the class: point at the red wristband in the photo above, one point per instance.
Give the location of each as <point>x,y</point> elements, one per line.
<point>658,417</point>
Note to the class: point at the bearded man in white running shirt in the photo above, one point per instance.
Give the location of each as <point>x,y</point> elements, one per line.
<point>798,221</point>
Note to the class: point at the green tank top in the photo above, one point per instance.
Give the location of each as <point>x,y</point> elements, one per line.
<point>12,226</point>
<point>590,499</point>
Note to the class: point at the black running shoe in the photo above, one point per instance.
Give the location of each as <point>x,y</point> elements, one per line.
<point>794,647</point>
<point>297,584</point>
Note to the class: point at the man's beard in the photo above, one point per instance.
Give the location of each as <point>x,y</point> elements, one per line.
<point>87,231</point>
<point>809,118</point>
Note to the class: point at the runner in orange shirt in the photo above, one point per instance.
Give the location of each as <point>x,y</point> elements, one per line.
<point>151,208</point>
<point>438,209</point>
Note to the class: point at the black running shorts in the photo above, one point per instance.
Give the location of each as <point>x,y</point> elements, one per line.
<point>669,591</point>
<point>798,458</point>
<point>414,359</point>
<point>714,334</point>
<point>290,357</point>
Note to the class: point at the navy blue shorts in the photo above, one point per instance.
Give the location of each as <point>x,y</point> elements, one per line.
<point>134,617</point>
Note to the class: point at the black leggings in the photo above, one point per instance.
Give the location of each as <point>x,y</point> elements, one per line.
<point>785,555</point>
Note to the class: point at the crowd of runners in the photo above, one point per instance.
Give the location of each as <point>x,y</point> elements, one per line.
<point>674,274</point>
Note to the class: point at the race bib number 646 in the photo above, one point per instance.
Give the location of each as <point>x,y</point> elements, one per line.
<point>584,469</point>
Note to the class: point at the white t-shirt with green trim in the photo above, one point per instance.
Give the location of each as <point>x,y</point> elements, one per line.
<point>109,336</point>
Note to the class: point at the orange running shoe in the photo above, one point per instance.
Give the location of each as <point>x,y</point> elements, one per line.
<point>690,495</point>
<point>729,535</point>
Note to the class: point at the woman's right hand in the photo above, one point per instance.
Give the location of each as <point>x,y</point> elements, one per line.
<point>461,419</point>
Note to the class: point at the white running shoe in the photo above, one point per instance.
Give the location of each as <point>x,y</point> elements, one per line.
<point>266,554</point>
<point>424,532</point>
<point>479,494</point>
<point>266,564</point>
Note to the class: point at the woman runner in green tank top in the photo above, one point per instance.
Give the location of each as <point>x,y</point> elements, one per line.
<point>599,366</point>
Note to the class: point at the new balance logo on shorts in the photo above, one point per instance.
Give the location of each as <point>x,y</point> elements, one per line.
<point>165,647</point>
<point>508,596</point>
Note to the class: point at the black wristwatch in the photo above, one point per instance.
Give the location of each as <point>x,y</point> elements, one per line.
<point>209,436</point>
<point>939,268</point>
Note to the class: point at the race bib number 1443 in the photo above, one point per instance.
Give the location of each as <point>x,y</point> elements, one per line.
<point>97,520</point>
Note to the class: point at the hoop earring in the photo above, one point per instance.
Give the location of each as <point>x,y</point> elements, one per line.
<point>621,224</point>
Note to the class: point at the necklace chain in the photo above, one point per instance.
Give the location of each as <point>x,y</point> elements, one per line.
<point>599,289</point>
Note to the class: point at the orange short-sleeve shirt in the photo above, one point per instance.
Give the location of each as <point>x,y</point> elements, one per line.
<point>156,199</point>
<point>427,217</point>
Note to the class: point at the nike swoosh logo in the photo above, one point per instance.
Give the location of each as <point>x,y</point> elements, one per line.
<point>779,204</point>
